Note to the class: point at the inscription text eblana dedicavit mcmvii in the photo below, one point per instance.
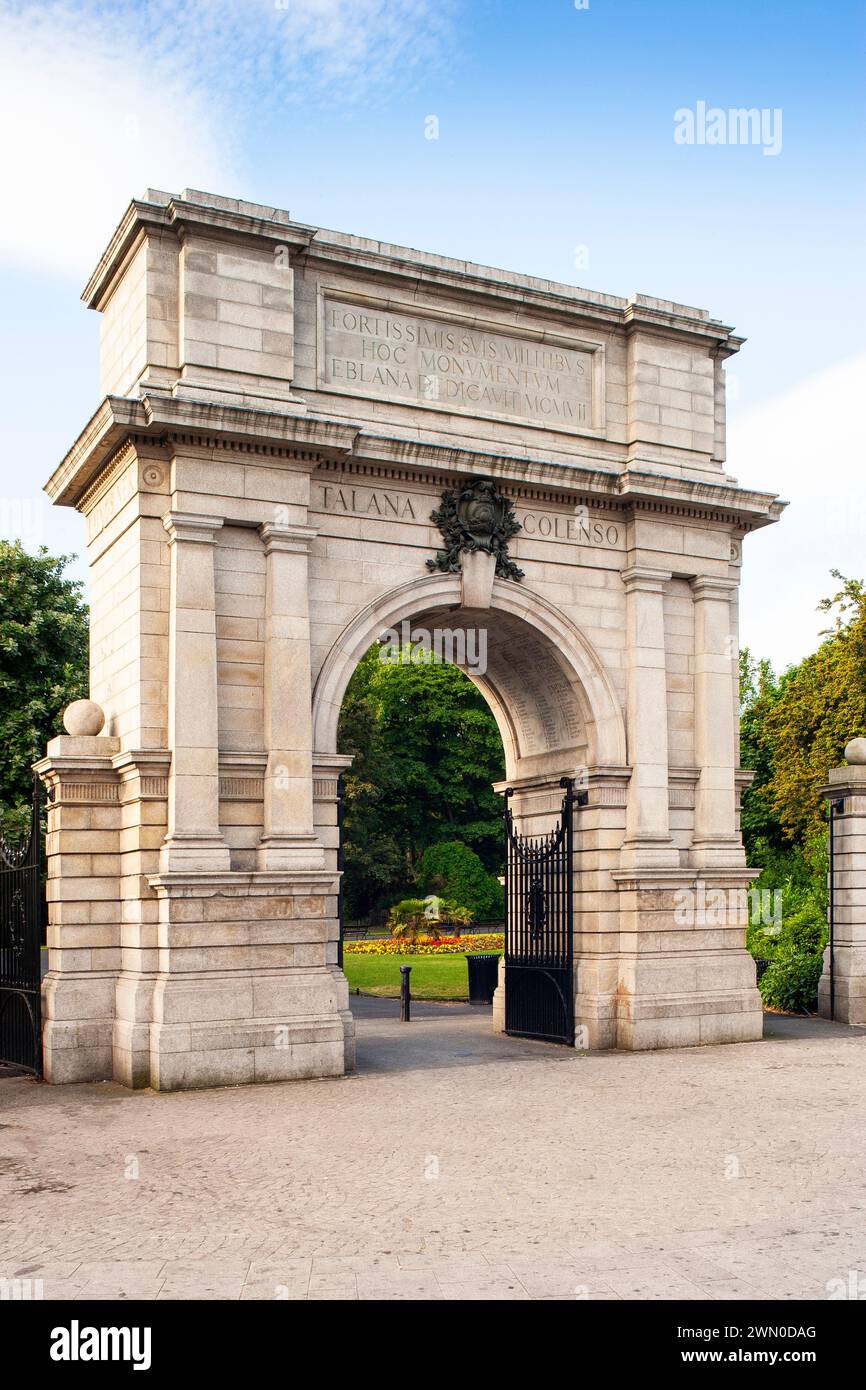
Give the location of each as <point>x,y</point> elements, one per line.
<point>375,352</point>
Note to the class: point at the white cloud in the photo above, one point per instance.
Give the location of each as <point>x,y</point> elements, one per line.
<point>806,445</point>
<point>100,100</point>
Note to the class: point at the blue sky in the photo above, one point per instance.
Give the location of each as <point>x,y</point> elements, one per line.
<point>555,132</point>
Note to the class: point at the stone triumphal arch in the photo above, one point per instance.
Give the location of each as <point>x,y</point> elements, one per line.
<point>306,440</point>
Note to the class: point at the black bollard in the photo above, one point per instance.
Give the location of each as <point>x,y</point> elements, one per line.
<point>405,972</point>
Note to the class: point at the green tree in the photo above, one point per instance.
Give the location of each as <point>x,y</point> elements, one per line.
<point>452,870</point>
<point>820,706</point>
<point>794,728</point>
<point>43,659</point>
<point>426,750</point>
<point>759,690</point>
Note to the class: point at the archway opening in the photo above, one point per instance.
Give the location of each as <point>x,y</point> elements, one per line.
<point>440,711</point>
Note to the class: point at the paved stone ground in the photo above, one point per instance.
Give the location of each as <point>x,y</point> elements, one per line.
<point>454,1164</point>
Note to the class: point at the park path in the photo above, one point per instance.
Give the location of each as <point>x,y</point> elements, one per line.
<point>454,1164</point>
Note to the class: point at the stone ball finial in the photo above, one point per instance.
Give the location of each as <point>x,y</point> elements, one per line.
<point>855,751</point>
<point>83,719</point>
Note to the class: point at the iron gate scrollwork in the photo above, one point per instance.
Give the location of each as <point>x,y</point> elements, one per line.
<point>539,931</point>
<point>21,917</point>
<point>341,902</point>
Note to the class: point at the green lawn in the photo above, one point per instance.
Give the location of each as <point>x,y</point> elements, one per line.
<point>433,977</point>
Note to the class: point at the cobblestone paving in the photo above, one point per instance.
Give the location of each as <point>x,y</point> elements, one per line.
<point>453,1165</point>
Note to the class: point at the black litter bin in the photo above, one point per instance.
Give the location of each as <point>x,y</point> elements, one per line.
<point>483,977</point>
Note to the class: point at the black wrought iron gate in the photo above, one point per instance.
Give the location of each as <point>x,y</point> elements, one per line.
<point>21,916</point>
<point>539,941</point>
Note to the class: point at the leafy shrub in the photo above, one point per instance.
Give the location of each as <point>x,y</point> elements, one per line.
<point>790,982</point>
<point>801,878</point>
<point>454,871</point>
<point>412,916</point>
<point>406,919</point>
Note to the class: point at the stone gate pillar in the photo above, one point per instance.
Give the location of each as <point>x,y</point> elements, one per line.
<point>847,968</point>
<point>268,473</point>
<point>83,892</point>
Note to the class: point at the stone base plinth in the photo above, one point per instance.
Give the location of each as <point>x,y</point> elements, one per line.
<point>691,1020</point>
<point>236,1052</point>
<point>77,1012</point>
<point>247,987</point>
<point>685,978</point>
<point>848,1004</point>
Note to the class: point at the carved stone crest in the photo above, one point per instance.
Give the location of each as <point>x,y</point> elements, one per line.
<point>476,518</point>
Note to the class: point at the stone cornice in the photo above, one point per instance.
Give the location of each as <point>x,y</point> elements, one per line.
<point>849,780</point>
<point>650,879</point>
<point>622,488</point>
<point>162,212</point>
<point>318,440</point>
<point>232,219</point>
<point>166,418</point>
<point>243,883</point>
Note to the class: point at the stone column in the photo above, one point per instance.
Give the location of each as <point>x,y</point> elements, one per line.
<point>193,841</point>
<point>716,841</point>
<point>848,965</point>
<point>83,892</point>
<point>288,839</point>
<point>648,841</point>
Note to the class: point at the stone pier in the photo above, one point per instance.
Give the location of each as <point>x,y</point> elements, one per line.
<point>304,439</point>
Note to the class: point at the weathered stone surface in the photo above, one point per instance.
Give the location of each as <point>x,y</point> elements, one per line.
<point>842,987</point>
<point>258,490</point>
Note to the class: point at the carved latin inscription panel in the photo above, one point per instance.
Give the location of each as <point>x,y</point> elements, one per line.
<point>439,363</point>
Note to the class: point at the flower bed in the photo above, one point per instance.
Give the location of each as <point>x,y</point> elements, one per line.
<point>427,946</point>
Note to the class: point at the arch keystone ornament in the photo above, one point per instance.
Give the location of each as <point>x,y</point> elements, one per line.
<point>478,518</point>
<point>253,528</point>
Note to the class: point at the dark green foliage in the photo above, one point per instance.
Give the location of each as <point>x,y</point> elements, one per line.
<point>794,728</point>
<point>426,750</point>
<point>43,660</point>
<point>452,870</point>
<point>790,983</point>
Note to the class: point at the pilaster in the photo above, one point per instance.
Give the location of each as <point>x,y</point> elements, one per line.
<point>716,840</point>
<point>193,841</point>
<point>648,840</point>
<point>288,839</point>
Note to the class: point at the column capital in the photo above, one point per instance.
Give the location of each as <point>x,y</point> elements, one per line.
<point>189,526</point>
<point>644,579</point>
<point>295,540</point>
<point>713,586</point>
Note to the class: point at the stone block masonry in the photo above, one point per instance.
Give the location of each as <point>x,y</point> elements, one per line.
<point>284,407</point>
